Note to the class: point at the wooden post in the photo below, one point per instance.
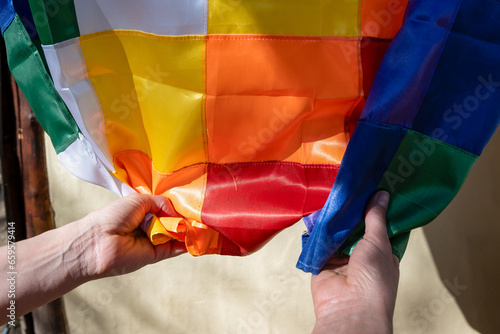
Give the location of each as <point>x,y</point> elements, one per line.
<point>11,170</point>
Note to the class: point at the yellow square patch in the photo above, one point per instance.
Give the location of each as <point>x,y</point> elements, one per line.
<point>151,89</point>
<point>284,17</point>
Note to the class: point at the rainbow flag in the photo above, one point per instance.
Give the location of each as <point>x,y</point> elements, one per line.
<point>240,111</point>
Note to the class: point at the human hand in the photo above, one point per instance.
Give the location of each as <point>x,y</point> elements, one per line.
<point>358,294</point>
<point>106,242</point>
<point>114,243</point>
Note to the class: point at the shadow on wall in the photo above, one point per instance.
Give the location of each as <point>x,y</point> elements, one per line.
<point>465,243</point>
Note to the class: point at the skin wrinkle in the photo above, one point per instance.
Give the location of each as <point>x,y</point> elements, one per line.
<point>70,257</point>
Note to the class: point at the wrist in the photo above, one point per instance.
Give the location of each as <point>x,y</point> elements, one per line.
<point>52,264</point>
<point>79,252</point>
<point>354,317</point>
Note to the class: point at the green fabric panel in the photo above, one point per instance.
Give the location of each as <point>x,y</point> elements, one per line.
<point>423,177</point>
<point>55,21</point>
<point>27,68</point>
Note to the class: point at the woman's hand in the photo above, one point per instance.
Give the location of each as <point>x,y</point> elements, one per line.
<point>107,242</point>
<point>358,294</point>
<point>118,246</point>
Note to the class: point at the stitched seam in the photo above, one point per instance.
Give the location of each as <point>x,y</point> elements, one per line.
<point>202,201</point>
<point>437,141</point>
<point>184,169</point>
<point>442,143</point>
<point>382,125</point>
<point>348,118</point>
<point>359,25</point>
<point>438,60</point>
<point>333,166</point>
<point>307,266</point>
<point>284,38</point>
<point>117,33</point>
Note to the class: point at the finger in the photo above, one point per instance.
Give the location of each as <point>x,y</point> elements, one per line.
<point>162,207</point>
<point>177,248</point>
<point>376,228</point>
<point>336,261</point>
<point>153,203</point>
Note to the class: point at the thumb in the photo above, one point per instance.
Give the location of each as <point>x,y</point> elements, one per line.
<point>169,249</point>
<point>376,229</point>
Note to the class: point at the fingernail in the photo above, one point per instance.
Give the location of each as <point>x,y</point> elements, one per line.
<point>383,199</point>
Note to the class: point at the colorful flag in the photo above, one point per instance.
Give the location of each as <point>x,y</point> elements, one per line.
<point>240,112</point>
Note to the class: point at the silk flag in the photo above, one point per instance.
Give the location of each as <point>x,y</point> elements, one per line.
<point>239,112</point>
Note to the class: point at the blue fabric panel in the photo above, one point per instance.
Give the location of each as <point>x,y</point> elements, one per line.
<point>462,106</point>
<point>368,155</point>
<point>23,10</point>
<point>7,14</point>
<point>408,65</point>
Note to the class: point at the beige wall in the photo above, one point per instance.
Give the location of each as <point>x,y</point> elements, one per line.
<point>449,275</point>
